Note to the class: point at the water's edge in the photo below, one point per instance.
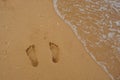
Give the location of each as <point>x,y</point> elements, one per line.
<point>74,29</point>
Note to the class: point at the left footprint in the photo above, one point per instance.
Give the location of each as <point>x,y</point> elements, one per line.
<point>32,55</point>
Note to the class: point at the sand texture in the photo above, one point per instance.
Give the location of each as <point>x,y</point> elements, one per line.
<point>35,44</point>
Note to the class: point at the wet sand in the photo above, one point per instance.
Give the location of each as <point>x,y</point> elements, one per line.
<point>24,23</point>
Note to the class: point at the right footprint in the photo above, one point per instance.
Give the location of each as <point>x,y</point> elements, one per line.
<point>32,55</point>
<point>55,52</point>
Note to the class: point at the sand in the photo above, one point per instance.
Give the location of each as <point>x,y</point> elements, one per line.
<point>34,22</point>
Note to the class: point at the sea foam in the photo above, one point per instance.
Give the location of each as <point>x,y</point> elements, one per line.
<point>95,19</point>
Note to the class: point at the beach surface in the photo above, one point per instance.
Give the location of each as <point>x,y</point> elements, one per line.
<point>35,44</point>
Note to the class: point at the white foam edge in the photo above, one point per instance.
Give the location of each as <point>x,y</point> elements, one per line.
<point>76,33</point>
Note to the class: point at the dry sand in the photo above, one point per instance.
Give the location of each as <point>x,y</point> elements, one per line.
<point>34,22</point>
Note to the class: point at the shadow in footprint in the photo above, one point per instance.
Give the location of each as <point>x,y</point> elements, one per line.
<point>55,52</point>
<point>32,55</point>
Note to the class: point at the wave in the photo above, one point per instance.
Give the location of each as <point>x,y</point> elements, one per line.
<point>96,23</point>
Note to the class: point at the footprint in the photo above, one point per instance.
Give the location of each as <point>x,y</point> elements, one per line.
<point>55,52</point>
<point>32,55</point>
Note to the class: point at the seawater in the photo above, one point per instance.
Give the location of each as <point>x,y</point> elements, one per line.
<point>96,23</point>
